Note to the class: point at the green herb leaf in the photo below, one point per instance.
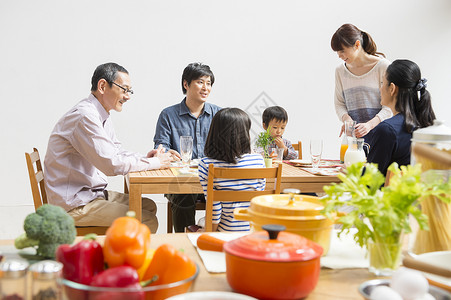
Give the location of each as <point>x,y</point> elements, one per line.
<point>381,214</point>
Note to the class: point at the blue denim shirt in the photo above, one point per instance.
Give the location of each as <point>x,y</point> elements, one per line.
<point>176,121</point>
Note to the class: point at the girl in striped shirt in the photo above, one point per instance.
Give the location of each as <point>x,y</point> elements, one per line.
<point>228,145</point>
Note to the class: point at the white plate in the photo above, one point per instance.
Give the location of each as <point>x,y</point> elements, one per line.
<point>301,161</point>
<point>440,259</point>
<point>194,162</point>
<point>211,296</point>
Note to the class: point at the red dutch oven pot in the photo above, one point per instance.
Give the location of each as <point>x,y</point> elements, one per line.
<point>272,264</point>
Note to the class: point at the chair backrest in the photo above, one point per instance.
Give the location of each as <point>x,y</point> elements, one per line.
<point>388,177</point>
<point>36,178</point>
<point>39,194</point>
<point>298,147</point>
<point>234,196</point>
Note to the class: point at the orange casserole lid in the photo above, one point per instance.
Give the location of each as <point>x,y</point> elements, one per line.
<point>273,245</point>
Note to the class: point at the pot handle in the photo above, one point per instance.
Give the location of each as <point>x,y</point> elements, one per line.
<point>273,230</point>
<point>241,214</point>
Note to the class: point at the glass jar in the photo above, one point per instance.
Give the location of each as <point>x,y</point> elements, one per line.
<point>384,258</point>
<point>426,144</point>
<point>348,133</point>
<point>45,276</point>
<point>13,279</point>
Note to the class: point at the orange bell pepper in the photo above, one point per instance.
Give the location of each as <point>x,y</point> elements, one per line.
<point>170,265</point>
<point>126,242</point>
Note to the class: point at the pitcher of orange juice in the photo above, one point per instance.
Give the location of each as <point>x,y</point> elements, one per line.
<point>348,133</point>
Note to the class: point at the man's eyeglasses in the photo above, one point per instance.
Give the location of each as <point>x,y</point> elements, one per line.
<point>126,90</point>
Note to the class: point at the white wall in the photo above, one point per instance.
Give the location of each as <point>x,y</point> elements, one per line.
<point>49,50</point>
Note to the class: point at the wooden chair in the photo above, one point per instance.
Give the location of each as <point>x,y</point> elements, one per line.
<point>388,177</point>
<point>298,147</point>
<point>233,196</point>
<point>39,194</point>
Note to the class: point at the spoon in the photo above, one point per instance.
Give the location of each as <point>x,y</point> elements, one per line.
<point>410,261</point>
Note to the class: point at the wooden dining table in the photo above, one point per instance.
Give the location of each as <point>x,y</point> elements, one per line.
<point>163,181</point>
<point>337,284</point>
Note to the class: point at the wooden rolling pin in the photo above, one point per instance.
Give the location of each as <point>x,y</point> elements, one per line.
<point>416,264</point>
<point>432,154</point>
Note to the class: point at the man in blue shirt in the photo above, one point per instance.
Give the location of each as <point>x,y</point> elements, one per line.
<point>191,117</point>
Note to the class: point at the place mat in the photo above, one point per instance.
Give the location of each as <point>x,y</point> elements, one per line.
<point>184,172</point>
<point>214,261</point>
<point>29,254</point>
<point>343,253</point>
<point>323,171</point>
<point>325,163</point>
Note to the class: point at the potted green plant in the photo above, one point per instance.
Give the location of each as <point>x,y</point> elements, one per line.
<point>381,213</point>
<point>264,139</point>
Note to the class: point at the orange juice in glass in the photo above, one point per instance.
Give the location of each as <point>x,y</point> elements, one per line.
<point>348,132</point>
<point>343,149</point>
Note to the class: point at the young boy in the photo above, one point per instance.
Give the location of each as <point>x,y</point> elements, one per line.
<point>276,118</point>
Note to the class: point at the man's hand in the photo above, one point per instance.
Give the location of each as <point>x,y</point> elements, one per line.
<point>153,152</point>
<point>165,159</point>
<point>175,155</point>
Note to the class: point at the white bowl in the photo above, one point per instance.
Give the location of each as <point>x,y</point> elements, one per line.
<point>440,259</point>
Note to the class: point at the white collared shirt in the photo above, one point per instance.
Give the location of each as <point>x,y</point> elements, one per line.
<point>82,151</point>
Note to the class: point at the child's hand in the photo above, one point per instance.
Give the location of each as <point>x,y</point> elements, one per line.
<point>279,142</point>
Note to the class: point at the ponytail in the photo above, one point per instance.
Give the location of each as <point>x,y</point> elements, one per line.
<point>369,45</point>
<point>423,108</point>
<point>417,109</point>
<point>348,34</point>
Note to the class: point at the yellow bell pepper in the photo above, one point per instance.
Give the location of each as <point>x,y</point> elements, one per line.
<point>142,270</point>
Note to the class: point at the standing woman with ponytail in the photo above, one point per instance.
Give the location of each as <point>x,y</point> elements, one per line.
<point>404,92</point>
<point>358,80</point>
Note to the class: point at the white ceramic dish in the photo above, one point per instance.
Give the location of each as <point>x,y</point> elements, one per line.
<point>301,161</point>
<point>441,259</point>
<point>211,296</point>
<point>366,288</point>
<point>194,163</point>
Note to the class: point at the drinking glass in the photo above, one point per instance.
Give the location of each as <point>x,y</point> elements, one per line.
<point>186,150</point>
<point>279,154</point>
<point>316,149</point>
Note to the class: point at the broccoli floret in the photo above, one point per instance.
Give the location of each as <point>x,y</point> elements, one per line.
<point>47,228</point>
<point>23,241</point>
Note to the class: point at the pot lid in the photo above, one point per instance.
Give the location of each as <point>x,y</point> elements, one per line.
<point>287,205</point>
<point>437,132</point>
<point>273,245</point>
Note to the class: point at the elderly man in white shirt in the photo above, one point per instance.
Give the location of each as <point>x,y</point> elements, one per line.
<point>83,150</point>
